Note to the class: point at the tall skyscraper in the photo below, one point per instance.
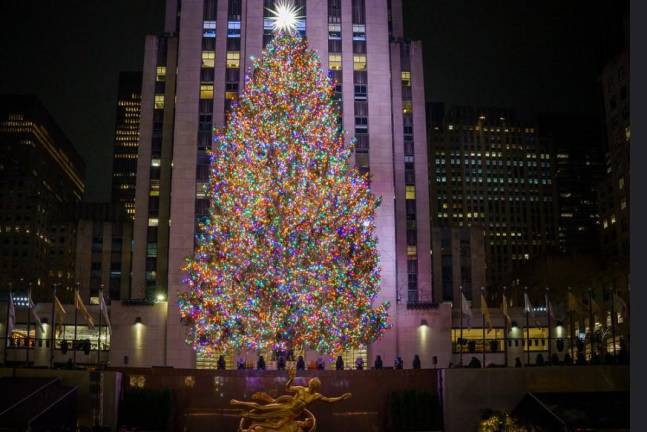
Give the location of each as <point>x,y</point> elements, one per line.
<point>614,190</point>
<point>491,170</point>
<point>578,146</point>
<point>192,75</point>
<point>124,164</point>
<point>41,179</point>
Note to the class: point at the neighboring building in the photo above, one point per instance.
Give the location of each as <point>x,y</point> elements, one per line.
<point>458,261</point>
<point>124,165</point>
<point>614,190</point>
<point>184,95</point>
<point>103,251</point>
<point>578,147</point>
<point>41,180</point>
<point>491,170</point>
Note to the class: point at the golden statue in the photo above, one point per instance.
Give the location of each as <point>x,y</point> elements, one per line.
<point>286,413</point>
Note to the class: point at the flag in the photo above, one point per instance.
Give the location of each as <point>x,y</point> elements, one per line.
<point>60,314</point>
<point>573,304</point>
<point>34,315</point>
<point>78,304</point>
<point>466,310</point>
<point>595,307</point>
<point>11,319</point>
<point>486,313</point>
<point>619,304</point>
<point>549,308</point>
<point>104,310</point>
<point>527,308</point>
<point>504,310</point>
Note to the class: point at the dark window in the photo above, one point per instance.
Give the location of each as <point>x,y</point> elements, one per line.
<point>334,9</point>
<point>359,15</point>
<point>209,10</point>
<point>234,10</point>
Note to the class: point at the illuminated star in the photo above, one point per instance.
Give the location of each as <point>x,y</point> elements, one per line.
<point>285,16</point>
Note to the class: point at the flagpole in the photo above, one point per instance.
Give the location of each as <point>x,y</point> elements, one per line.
<point>505,330</point>
<point>571,329</point>
<point>460,345</point>
<point>591,322</point>
<point>6,329</point>
<point>53,331</point>
<point>549,312</point>
<point>483,325</point>
<point>613,320</point>
<point>525,290</point>
<point>28,322</point>
<point>76,312</point>
<point>99,340</point>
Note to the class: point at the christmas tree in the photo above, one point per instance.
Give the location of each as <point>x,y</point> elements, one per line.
<point>287,256</point>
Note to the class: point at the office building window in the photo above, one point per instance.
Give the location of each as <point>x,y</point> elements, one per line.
<point>159,101</point>
<point>233,59</point>
<point>208,59</point>
<point>206,91</point>
<point>359,62</point>
<point>334,61</point>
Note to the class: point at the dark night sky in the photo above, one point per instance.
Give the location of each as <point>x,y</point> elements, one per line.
<point>537,56</point>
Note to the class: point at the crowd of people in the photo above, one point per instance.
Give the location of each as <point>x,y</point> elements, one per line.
<point>320,364</point>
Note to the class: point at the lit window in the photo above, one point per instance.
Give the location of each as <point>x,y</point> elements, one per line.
<point>334,61</point>
<point>153,222</point>
<point>334,31</point>
<point>406,78</point>
<point>621,183</point>
<point>359,62</point>
<point>209,29</point>
<point>613,219</point>
<point>359,32</point>
<point>161,73</point>
<point>231,95</point>
<point>411,192</point>
<point>605,224</point>
<point>623,204</point>
<point>233,59</point>
<point>206,91</point>
<point>155,162</point>
<point>208,58</point>
<point>407,107</point>
<point>159,101</point>
<point>627,133</point>
<point>411,251</point>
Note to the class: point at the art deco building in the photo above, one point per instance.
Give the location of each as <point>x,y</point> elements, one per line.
<point>491,170</point>
<point>41,179</point>
<point>124,165</point>
<point>191,76</point>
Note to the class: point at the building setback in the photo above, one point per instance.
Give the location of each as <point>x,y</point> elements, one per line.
<point>103,251</point>
<point>191,76</point>
<point>490,170</point>
<point>41,179</point>
<point>458,262</point>
<point>124,164</point>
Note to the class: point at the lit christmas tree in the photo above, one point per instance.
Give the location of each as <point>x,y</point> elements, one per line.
<point>287,257</point>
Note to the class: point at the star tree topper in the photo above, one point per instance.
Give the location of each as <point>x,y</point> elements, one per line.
<point>285,16</point>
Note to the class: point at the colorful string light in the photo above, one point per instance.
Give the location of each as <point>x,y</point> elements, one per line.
<point>287,257</point>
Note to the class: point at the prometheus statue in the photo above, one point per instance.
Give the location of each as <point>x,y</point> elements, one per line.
<point>287,413</point>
